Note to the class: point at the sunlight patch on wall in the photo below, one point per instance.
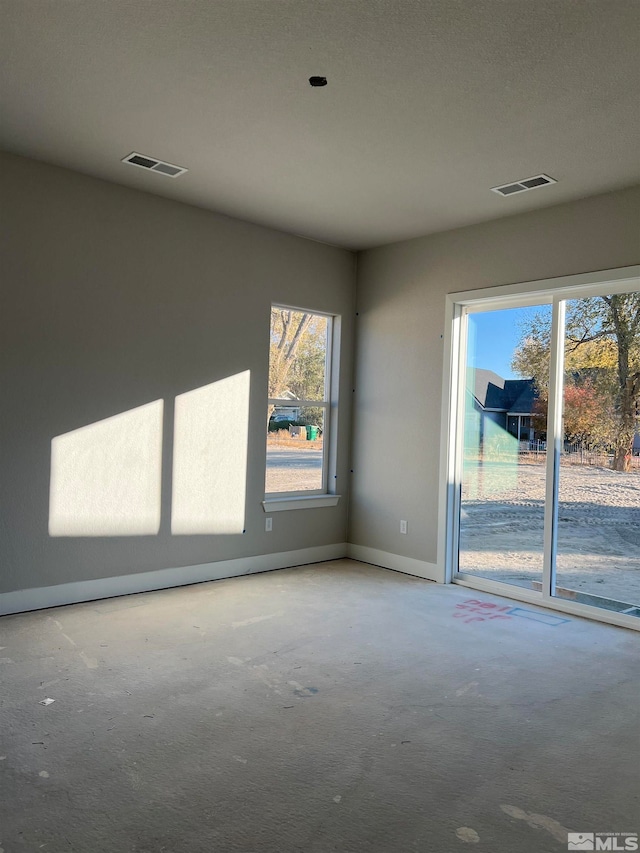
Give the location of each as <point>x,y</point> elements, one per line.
<point>210,457</point>
<point>106,478</point>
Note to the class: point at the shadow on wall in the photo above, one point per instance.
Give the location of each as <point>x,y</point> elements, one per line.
<point>106,478</point>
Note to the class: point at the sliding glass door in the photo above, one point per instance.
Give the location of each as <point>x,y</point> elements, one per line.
<point>546,491</point>
<point>597,555</point>
<point>501,513</point>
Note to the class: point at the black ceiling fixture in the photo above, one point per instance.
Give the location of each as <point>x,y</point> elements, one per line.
<point>318,81</point>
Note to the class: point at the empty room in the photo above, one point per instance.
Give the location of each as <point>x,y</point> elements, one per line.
<point>319,426</point>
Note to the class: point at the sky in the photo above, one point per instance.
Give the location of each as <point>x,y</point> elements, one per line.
<point>493,337</point>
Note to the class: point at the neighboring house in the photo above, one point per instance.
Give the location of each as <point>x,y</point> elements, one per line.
<point>509,403</point>
<point>286,413</point>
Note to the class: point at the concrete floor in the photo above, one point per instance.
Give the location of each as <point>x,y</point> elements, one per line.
<point>336,707</point>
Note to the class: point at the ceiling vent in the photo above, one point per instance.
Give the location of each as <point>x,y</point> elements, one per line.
<point>524,185</point>
<point>153,165</point>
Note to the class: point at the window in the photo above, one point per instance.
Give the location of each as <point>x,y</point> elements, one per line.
<point>298,414</point>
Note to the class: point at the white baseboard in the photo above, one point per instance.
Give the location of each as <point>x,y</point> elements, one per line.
<point>73,593</point>
<point>407,565</point>
<point>42,597</point>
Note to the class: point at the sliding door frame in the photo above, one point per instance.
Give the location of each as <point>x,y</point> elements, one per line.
<point>554,292</point>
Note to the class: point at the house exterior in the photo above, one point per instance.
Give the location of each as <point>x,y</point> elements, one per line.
<point>286,413</point>
<point>508,404</point>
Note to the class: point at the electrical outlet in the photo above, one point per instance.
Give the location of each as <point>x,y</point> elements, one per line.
<point>403,527</point>
<point>268,524</point>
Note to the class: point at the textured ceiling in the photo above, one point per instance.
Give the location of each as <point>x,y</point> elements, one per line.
<point>429,104</point>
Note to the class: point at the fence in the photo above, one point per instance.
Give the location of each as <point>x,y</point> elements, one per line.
<point>573,454</point>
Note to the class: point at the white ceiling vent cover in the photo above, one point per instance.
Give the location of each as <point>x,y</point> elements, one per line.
<point>153,165</point>
<point>524,185</point>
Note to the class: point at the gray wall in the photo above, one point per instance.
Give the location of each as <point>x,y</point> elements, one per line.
<point>399,350</point>
<point>112,298</point>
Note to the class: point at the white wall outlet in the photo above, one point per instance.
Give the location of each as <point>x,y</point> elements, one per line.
<point>403,527</point>
<point>268,524</point>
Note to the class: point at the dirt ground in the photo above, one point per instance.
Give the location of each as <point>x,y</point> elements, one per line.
<point>501,529</point>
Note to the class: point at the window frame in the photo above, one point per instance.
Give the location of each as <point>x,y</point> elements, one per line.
<point>307,498</point>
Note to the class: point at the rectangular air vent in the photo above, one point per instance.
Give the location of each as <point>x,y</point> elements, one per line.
<point>153,165</point>
<point>524,185</point>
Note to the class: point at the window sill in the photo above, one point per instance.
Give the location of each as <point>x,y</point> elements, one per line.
<point>299,502</point>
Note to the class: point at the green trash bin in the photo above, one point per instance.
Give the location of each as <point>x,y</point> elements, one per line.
<point>312,433</point>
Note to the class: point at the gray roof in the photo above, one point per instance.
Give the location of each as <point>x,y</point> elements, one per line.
<point>491,391</point>
<point>524,403</point>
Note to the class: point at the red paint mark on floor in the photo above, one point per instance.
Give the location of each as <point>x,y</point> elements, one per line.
<point>474,610</point>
